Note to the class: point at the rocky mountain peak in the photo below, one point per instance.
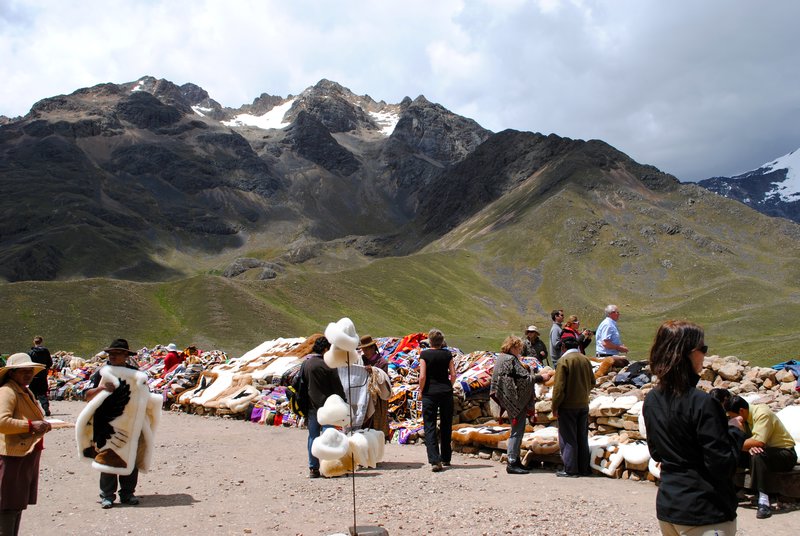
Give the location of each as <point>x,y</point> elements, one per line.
<point>435,131</point>
<point>773,188</point>
<point>335,106</point>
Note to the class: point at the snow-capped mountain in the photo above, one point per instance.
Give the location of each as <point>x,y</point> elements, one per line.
<point>773,188</point>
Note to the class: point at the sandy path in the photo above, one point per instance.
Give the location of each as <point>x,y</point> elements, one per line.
<point>221,476</point>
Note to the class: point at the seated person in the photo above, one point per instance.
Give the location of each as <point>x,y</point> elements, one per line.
<point>768,448</point>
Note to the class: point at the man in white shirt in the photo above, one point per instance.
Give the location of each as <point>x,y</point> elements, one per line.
<point>608,341</point>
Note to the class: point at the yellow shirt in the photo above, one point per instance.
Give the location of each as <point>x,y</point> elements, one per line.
<point>767,427</point>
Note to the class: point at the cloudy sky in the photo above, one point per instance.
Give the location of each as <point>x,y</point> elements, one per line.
<point>696,88</point>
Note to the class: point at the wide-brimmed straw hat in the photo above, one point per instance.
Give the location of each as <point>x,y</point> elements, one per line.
<point>119,345</point>
<point>19,361</point>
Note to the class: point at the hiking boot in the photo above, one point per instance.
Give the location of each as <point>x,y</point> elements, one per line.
<point>105,504</point>
<point>516,469</point>
<point>133,500</point>
<point>436,467</point>
<point>313,473</point>
<point>763,512</point>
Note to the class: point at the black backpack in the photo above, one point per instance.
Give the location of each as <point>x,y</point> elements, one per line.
<point>297,393</point>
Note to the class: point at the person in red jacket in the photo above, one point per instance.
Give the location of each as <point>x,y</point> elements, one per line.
<point>572,329</point>
<point>173,359</point>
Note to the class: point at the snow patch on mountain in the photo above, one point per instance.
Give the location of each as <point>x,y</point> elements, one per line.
<point>789,188</point>
<point>199,110</point>
<point>271,119</point>
<point>386,120</point>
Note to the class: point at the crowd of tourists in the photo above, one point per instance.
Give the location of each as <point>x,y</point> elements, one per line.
<point>698,438</point>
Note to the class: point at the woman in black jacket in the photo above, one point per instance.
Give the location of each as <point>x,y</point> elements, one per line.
<point>687,432</point>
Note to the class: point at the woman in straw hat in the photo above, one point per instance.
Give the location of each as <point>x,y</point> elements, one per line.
<point>22,427</point>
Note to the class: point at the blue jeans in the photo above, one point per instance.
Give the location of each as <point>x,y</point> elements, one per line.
<point>314,431</point>
<point>515,439</point>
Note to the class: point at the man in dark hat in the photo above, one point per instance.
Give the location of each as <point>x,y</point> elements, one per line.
<point>372,358</point>
<point>118,353</point>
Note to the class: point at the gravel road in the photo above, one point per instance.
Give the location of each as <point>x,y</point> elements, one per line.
<point>229,477</point>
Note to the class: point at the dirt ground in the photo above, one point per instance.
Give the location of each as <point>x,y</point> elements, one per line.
<point>220,476</point>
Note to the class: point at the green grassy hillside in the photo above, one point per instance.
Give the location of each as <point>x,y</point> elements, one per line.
<point>452,290</point>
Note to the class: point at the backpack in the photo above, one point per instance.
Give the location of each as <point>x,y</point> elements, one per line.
<point>297,393</point>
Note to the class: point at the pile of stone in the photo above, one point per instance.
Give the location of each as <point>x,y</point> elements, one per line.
<point>615,422</point>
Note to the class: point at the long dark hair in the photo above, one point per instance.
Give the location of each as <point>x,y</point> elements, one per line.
<point>669,355</point>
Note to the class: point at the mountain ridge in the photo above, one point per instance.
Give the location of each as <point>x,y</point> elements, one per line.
<point>773,188</point>
<point>223,231</point>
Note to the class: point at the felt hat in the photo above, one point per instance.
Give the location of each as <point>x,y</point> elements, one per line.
<point>330,445</point>
<point>532,328</point>
<point>336,357</point>
<point>119,345</point>
<point>172,347</point>
<point>19,361</point>
<point>366,341</point>
<point>334,412</point>
<point>342,334</point>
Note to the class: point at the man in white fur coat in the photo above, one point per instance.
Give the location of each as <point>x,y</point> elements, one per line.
<point>116,428</point>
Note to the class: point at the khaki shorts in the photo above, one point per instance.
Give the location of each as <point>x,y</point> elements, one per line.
<point>718,529</point>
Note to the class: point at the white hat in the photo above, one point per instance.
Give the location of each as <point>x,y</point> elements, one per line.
<point>339,467</point>
<point>20,361</point>
<point>342,334</point>
<point>330,445</point>
<point>172,347</point>
<point>335,412</point>
<point>359,446</point>
<point>335,357</point>
<point>532,328</point>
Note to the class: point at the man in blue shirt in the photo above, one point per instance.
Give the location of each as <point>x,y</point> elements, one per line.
<point>608,342</point>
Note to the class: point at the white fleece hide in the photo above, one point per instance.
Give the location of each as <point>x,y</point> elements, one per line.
<point>134,429</point>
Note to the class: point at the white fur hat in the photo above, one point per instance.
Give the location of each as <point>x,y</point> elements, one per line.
<point>332,468</point>
<point>343,334</point>
<point>331,445</point>
<point>336,357</point>
<point>335,412</point>
<point>359,446</point>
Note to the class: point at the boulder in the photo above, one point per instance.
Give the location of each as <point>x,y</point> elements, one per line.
<point>470,414</point>
<point>748,387</point>
<point>766,372</point>
<point>732,372</point>
<point>784,376</point>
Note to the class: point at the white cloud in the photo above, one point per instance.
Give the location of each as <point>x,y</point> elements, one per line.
<point>697,89</point>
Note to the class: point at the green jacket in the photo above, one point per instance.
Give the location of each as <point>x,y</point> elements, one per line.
<point>574,381</point>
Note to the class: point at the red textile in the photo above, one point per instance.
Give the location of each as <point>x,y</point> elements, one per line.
<point>408,343</point>
<point>172,360</point>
